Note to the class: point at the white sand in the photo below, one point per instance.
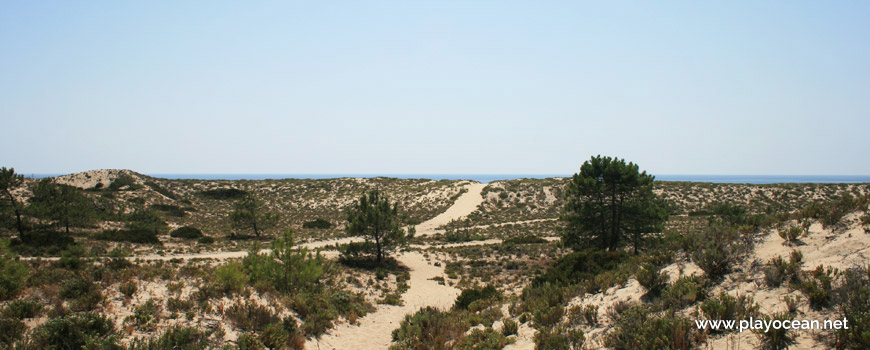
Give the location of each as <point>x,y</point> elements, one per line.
<point>466,204</point>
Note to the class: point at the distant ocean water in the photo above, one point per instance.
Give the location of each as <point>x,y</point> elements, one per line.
<point>486,178</point>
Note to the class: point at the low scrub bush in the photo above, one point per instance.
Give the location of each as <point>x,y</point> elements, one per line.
<point>21,309</point>
<point>13,273</point>
<point>650,277</point>
<point>230,278</point>
<point>74,332</point>
<point>818,285</point>
<point>559,338</point>
<point>684,291</point>
<point>317,224</point>
<point>778,270</point>
<point>579,266</point>
<point>717,250</point>
<point>791,234</point>
<point>186,232</point>
<point>852,298</point>
<point>174,338</point>
<point>223,193</point>
<point>251,317</point>
<point>638,328</point>
<point>727,307</point>
<point>429,328</point>
<point>483,339</point>
<point>509,327</point>
<point>169,209</point>
<point>527,239</point>
<point>469,296</point>
<point>775,338</point>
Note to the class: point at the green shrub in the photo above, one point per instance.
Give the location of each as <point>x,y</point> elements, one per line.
<point>145,316</point>
<point>559,338</point>
<point>778,270</point>
<point>124,180</point>
<point>509,327</point>
<point>548,317</point>
<point>638,328</point>
<point>775,338</point>
<point>579,266</point>
<point>727,307</point>
<point>283,335</point>
<point>205,240</point>
<point>159,189</point>
<point>231,278</point>
<point>471,295</point>
<point>11,329</point>
<point>251,317</point>
<point>485,339</point>
<point>428,328</point>
<point>790,234</point>
<point>74,332</point>
<point>12,273</point>
<point>169,209</point>
<point>717,250</point>
<point>684,291</point>
<point>223,193</point>
<point>527,239</point>
<point>317,224</point>
<point>650,277</point>
<point>128,289</point>
<point>853,300</point>
<point>818,286</point>
<point>175,338</point>
<point>186,232</point>
<point>21,309</point>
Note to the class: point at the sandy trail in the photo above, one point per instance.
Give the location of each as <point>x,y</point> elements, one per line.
<point>375,329</point>
<point>466,204</point>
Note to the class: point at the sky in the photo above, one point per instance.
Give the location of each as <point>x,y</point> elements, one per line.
<point>435,87</point>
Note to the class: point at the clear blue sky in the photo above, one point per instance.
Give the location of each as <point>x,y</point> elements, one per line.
<point>373,87</point>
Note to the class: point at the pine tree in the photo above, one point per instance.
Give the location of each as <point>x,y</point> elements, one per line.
<point>250,213</point>
<point>609,201</point>
<point>9,181</point>
<point>63,204</point>
<point>374,218</point>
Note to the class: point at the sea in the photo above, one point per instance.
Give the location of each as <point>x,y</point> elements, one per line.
<point>486,178</point>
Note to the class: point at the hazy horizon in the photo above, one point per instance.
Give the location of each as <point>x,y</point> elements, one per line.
<point>446,87</point>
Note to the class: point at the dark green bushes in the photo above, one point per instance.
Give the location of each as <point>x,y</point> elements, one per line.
<point>778,270</point>
<point>684,291</point>
<point>579,266</point>
<point>175,338</point>
<point>317,224</point>
<point>74,332</point>
<point>527,239</point>
<point>650,277</point>
<point>428,328</point>
<point>12,273</point>
<point>21,309</point>
<point>638,328</point>
<point>223,193</point>
<point>559,338</point>
<point>170,210</point>
<point>250,317</point>
<point>727,307</point>
<point>485,339</point>
<point>186,232</point>
<point>776,338</point>
<point>818,285</point>
<point>717,250</point>
<point>471,295</point>
<point>852,298</point>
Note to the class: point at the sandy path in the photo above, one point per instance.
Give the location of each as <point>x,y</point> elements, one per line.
<point>466,204</point>
<point>375,329</point>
